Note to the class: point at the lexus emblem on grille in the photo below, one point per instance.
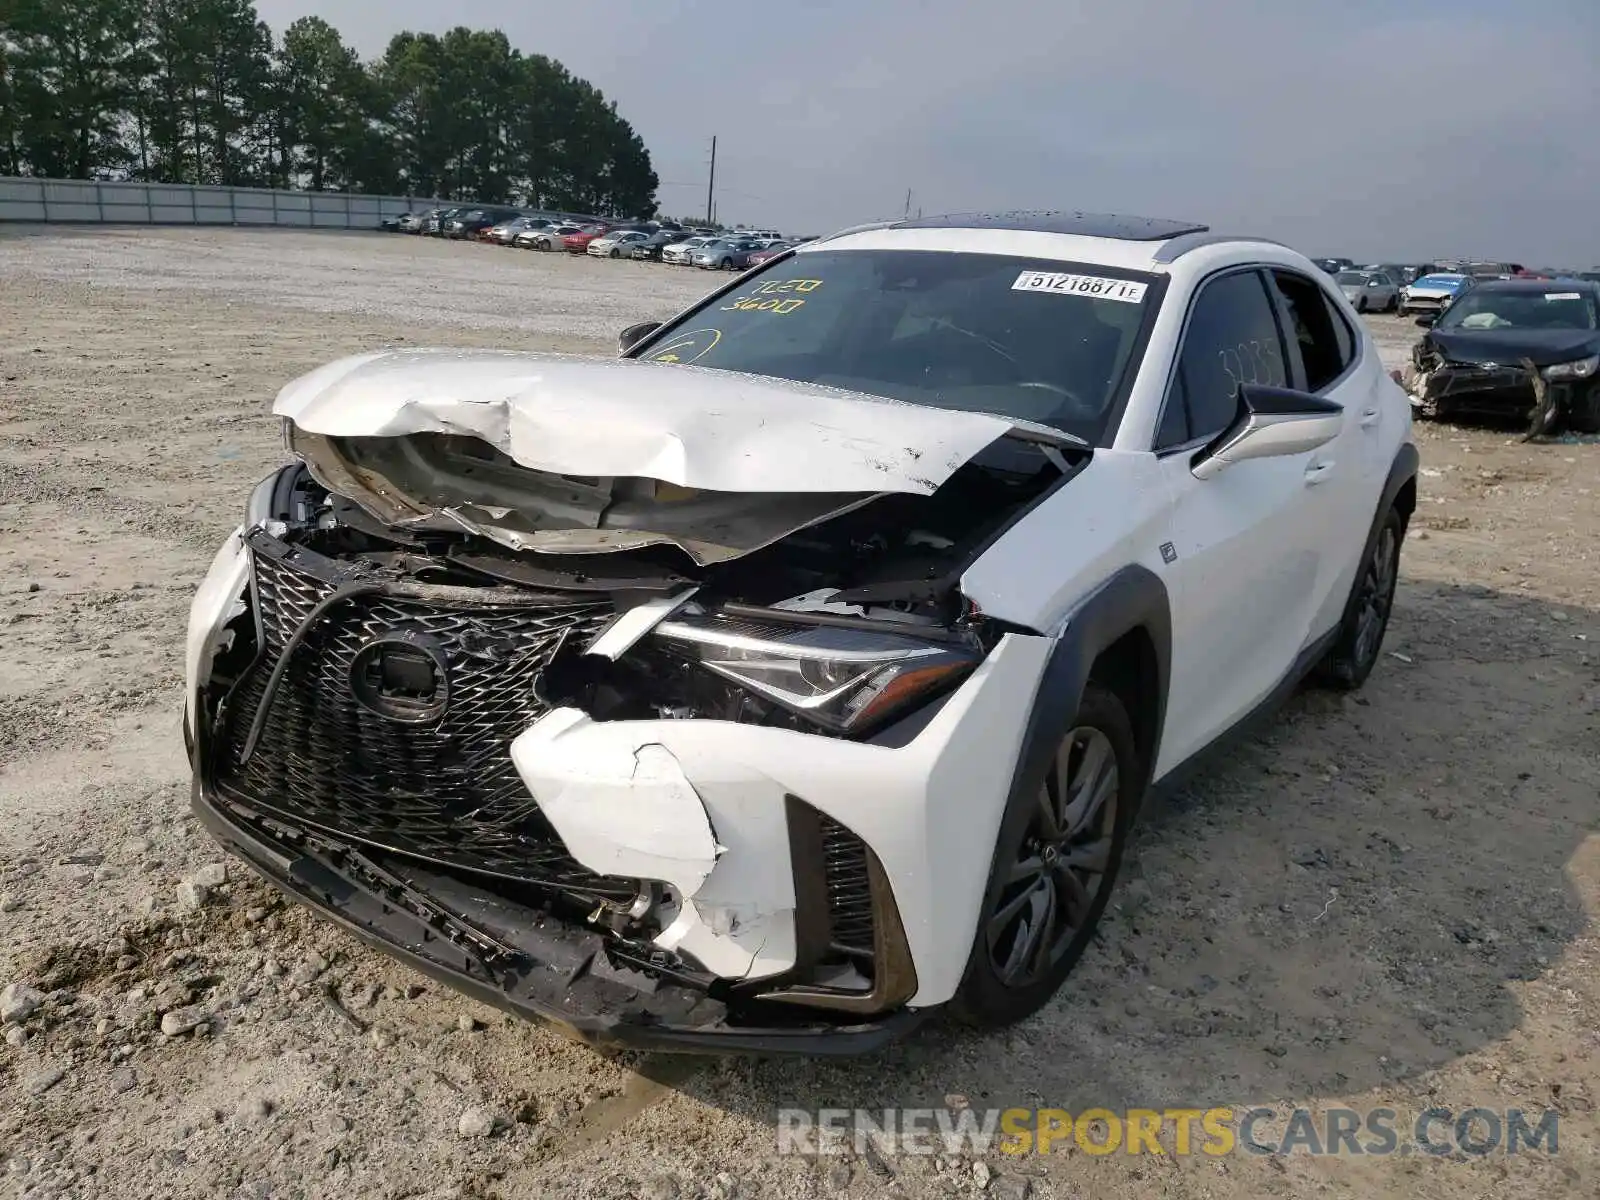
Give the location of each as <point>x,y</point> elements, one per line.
<point>402,675</point>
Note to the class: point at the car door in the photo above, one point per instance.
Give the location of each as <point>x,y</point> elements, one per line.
<point>1327,357</point>
<point>1243,563</point>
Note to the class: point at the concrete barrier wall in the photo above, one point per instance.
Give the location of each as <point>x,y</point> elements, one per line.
<point>25,199</point>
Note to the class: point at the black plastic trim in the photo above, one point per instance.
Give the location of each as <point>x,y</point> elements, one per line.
<point>1132,598</point>
<point>1264,401</point>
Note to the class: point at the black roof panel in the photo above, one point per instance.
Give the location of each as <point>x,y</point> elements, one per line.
<point>1084,224</point>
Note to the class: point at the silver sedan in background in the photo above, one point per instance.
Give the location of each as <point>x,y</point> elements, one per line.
<point>1369,291</point>
<point>506,232</point>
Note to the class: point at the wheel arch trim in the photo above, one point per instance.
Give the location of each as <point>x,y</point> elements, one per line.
<point>1402,471</point>
<point>1131,599</point>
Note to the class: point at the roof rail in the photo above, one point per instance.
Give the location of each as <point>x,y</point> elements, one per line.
<point>867,227</point>
<point>1177,247</point>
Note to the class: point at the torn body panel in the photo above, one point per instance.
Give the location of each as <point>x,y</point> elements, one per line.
<point>565,455</point>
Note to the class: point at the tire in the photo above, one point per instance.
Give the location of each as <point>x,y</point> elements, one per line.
<point>615,253</point>
<point>1361,304</point>
<point>725,265</point>
<point>997,989</point>
<point>1366,614</point>
<point>1584,415</point>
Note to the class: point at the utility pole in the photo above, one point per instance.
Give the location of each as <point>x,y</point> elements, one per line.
<point>908,204</point>
<point>711,185</point>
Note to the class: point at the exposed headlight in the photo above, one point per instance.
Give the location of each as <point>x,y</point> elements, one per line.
<point>842,679</point>
<point>1581,369</point>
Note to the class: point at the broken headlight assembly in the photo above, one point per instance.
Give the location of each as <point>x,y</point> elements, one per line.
<point>843,679</point>
<point>1580,369</point>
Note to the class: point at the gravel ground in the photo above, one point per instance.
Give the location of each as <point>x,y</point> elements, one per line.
<point>1383,900</point>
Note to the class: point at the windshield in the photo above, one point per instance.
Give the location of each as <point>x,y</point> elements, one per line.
<point>1355,277</point>
<point>1439,281</point>
<point>1038,340</point>
<point>1483,309</point>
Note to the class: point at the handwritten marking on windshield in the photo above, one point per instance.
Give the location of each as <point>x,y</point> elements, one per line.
<point>770,297</point>
<point>687,347</point>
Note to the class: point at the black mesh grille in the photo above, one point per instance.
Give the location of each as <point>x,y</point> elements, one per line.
<point>844,864</point>
<point>445,791</point>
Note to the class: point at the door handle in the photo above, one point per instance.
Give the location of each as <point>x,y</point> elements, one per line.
<point>1318,471</point>
<point>1369,417</point>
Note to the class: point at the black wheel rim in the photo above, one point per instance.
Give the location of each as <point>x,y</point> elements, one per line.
<point>1060,868</point>
<point>1377,595</point>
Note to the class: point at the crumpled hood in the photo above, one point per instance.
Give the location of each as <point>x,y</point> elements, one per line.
<point>1510,346</point>
<point>566,455</point>
<point>692,426</point>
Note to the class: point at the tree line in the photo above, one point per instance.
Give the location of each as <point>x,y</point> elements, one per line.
<point>198,91</point>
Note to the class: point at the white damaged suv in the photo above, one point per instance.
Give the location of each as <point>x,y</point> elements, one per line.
<point>801,672</point>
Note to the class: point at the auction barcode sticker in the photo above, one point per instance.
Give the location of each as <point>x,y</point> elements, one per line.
<point>1093,286</point>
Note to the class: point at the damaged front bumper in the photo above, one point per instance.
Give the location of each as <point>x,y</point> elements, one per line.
<point>1512,391</point>
<point>515,958</point>
<point>1475,388</point>
<point>677,883</point>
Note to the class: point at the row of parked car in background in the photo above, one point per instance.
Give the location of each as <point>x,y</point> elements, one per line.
<point>1429,287</point>
<point>653,241</point>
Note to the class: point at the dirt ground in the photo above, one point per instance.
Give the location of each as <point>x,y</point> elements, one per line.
<point>1385,900</point>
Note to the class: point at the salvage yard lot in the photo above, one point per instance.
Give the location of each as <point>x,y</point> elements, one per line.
<point>1387,900</point>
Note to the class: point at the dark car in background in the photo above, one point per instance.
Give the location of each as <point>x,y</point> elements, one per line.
<point>470,222</point>
<point>650,249</point>
<point>1514,348</point>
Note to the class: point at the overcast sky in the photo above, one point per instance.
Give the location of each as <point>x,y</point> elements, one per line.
<point>1369,128</point>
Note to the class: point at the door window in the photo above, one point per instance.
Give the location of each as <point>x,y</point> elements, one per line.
<point>1232,339</point>
<point>1321,346</point>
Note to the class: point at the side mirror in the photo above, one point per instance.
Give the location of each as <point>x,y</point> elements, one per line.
<point>1426,321</point>
<point>634,334</point>
<point>1271,423</point>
